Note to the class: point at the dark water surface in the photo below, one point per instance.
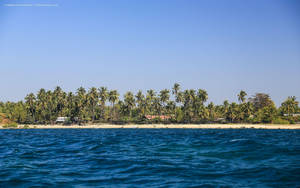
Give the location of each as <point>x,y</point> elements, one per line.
<point>149,158</point>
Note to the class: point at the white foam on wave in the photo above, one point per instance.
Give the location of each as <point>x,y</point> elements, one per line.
<point>239,139</point>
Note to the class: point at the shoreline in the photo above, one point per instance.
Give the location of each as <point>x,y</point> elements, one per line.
<point>159,126</point>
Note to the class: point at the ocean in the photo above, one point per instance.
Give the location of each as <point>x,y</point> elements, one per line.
<point>149,158</point>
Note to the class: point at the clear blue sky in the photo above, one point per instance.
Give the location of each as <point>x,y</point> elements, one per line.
<point>220,46</point>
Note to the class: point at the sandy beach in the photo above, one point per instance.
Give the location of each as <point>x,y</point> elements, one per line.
<point>163,126</point>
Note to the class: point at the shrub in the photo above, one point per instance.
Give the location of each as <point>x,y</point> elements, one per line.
<point>280,121</point>
<point>11,125</point>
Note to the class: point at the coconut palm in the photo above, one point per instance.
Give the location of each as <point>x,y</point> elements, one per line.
<point>59,100</point>
<point>211,111</point>
<point>164,96</point>
<point>176,91</point>
<point>30,102</point>
<point>140,99</point>
<point>47,105</point>
<point>202,95</point>
<point>242,96</point>
<point>71,110</point>
<point>93,99</point>
<point>246,111</point>
<point>289,106</point>
<point>113,97</point>
<point>157,107</point>
<point>81,103</point>
<point>103,95</point>
<point>171,107</point>
<point>129,102</point>
<point>150,100</point>
<point>41,105</point>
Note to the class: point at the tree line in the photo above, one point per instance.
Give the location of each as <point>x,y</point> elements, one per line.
<point>98,105</point>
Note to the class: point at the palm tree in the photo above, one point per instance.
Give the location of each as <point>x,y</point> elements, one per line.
<point>246,111</point>
<point>179,97</point>
<point>150,100</point>
<point>187,104</point>
<point>50,106</point>
<point>129,102</point>
<point>59,99</point>
<point>140,99</point>
<point>103,94</point>
<point>225,107</point>
<point>93,98</point>
<point>202,95</point>
<point>157,105</point>
<point>164,96</point>
<point>289,106</point>
<point>171,107</point>
<point>113,97</point>
<point>211,111</point>
<point>176,91</point>
<point>71,111</point>
<point>30,105</point>
<point>41,104</point>
<point>241,96</point>
<point>232,113</point>
<point>81,101</point>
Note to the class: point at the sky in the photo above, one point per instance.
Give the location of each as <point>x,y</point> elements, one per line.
<point>220,46</point>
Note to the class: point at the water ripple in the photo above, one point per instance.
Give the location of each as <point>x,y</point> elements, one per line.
<point>149,158</point>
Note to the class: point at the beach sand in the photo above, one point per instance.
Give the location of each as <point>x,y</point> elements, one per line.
<point>164,126</point>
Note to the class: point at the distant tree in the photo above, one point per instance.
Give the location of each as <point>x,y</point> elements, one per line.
<point>31,106</point>
<point>141,102</point>
<point>81,103</point>
<point>70,106</point>
<point>266,115</point>
<point>289,106</point>
<point>246,111</point>
<point>150,100</point>
<point>164,96</point>
<point>129,102</point>
<point>176,92</point>
<point>225,107</point>
<point>93,99</point>
<point>103,95</point>
<point>202,95</point>
<point>113,97</point>
<point>157,107</point>
<point>59,99</point>
<point>261,100</point>
<point>170,107</point>
<point>241,96</point>
<point>41,105</point>
<point>186,106</point>
<point>211,111</point>
<point>233,112</point>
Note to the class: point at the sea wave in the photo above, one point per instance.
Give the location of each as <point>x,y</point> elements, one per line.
<point>149,158</point>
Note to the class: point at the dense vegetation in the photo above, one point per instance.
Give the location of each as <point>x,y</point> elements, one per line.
<point>188,106</point>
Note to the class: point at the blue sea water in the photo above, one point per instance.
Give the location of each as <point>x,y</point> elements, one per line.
<point>149,158</point>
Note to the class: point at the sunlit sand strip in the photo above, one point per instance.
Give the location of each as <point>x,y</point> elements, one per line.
<point>164,126</point>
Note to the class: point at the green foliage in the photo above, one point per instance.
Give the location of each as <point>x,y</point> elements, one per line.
<point>179,115</point>
<point>289,106</point>
<point>266,114</point>
<point>10,125</point>
<point>280,121</point>
<point>98,105</point>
